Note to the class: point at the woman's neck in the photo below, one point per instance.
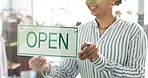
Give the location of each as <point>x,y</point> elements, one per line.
<point>105,22</point>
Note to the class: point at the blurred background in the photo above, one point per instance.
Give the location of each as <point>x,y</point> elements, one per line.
<point>51,13</point>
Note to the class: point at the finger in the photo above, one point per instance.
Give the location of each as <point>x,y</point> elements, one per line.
<point>90,54</point>
<point>85,45</point>
<point>39,65</point>
<point>89,49</point>
<point>46,67</point>
<point>32,60</point>
<point>35,62</point>
<point>90,57</point>
<point>86,52</point>
<point>92,50</point>
<point>80,55</point>
<point>92,46</point>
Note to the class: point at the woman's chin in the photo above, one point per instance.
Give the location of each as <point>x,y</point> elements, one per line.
<point>94,14</point>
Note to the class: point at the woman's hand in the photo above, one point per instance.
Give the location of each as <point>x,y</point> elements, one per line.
<point>39,64</point>
<point>89,51</point>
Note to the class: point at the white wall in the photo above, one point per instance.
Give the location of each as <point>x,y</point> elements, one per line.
<point>75,10</point>
<point>23,6</point>
<point>146,12</point>
<point>4,4</point>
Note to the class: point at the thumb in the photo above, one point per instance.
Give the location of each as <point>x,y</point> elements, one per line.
<point>86,44</point>
<point>46,67</point>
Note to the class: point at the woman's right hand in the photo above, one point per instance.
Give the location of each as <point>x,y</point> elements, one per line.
<point>39,64</point>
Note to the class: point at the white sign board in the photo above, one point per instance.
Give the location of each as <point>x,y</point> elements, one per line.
<point>47,41</point>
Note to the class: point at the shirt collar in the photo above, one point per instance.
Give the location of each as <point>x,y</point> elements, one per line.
<point>112,25</point>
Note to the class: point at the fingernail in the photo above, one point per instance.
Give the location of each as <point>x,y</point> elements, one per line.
<point>38,57</point>
<point>79,52</point>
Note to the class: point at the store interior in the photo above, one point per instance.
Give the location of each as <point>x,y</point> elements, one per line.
<point>51,13</point>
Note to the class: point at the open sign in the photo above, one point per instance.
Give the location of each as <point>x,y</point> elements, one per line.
<point>47,41</point>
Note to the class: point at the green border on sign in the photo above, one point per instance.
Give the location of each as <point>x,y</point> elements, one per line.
<point>29,54</point>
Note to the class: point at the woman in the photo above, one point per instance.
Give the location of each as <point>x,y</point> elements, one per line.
<point>109,47</point>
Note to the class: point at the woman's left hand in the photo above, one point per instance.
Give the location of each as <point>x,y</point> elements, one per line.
<point>88,51</point>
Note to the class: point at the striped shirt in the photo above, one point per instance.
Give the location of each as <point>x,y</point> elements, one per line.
<point>122,50</point>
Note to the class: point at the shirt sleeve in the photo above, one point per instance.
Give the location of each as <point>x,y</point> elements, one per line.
<point>135,66</point>
<point>68,68</point>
